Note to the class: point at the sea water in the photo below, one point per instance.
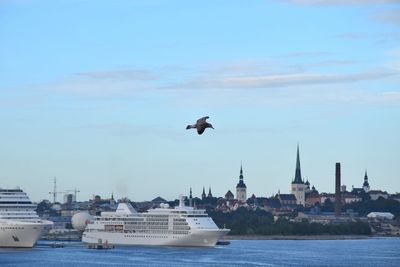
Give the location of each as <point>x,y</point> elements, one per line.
<point>361,252</point>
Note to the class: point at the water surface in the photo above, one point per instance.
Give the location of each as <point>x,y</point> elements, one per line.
<point>364,252</point>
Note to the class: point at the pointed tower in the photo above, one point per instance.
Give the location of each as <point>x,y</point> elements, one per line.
<point>190,198</point>
<point>203,195</point>
<point>366,184</point>
<point>241,188</point>
<point>112,200</point>
<point>297,175</point>
<point>209,192</point>
<point>298,186</point>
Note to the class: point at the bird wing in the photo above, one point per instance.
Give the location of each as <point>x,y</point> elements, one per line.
<point>200,130</point>
<point>203,120</point>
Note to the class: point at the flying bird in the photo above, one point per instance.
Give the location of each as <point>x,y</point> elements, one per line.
<point>200,125</point>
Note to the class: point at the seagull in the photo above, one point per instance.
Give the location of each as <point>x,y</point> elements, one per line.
<point>200,125</point>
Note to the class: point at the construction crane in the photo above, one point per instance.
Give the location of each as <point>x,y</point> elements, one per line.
<point>54,192</point>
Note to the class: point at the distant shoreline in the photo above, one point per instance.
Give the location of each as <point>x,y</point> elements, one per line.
<point>298,237</point>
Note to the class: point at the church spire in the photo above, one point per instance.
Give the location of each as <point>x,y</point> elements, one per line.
<point>297,176</point>
<point>366,184</point>
<point>209,192</point>
<point>241,188</point>
<point>203,195</point>
<point>241,184</point>
<point>190,198</point>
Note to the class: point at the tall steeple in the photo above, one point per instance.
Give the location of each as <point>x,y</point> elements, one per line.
<point>209,192</point>
<point>298,186</point>
<point>366,184</point>
<point>190,198</point>
<point>241,184</point>
<point>297,175</point>
<point>203,195</point>
<point>366,179</point>
<point>241,188</point>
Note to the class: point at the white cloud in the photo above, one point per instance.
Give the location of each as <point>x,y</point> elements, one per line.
<point>243,82</point>
<point>391,16</point>
<point>308,54</point>
<point>124,74</point>
<point>283,80</point>
<point>352,36</point>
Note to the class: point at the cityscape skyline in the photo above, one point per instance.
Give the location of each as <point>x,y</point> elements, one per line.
<point>297,179</point>
<point>98,94</point>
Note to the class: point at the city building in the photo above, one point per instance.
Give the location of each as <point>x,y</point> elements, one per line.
<point>375,194</point>
<point>380,215</point>
<point>241,188</point>
<point>298,185</point>
<point>286,199</point>
<point>288,202</point>
<point>69,198</point>
<point>326,196</point>
<point>272,204</point>
<point>364,189</point>
<point>312,198</point>
<point>315,215</point>
<point>348,198</point>
<point>229,195</point>
<point>157,201</point>
<point>395,197</point>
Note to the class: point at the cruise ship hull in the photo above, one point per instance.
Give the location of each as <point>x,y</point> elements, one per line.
<point>197,238</point>
<point>20,234</point>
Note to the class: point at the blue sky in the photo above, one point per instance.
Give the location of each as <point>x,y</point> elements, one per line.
<point>98,94</point>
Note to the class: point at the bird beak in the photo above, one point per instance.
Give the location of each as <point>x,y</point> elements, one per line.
<point>212,127</point>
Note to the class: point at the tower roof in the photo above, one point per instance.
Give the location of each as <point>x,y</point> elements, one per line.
<point>241,184</point>
<point>203,195</point>
<point>209,192</point>
<point>366,179</point>
<point>297,175</point>
<point>229,194</point>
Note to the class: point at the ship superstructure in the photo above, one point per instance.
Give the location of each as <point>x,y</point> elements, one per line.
<point>20,226</point>
<point>163,226</point>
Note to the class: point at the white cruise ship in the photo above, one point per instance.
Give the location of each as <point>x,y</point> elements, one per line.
<point>164,226</point>
<point>20,226</point>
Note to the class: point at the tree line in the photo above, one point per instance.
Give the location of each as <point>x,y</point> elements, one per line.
<point>261,222</point>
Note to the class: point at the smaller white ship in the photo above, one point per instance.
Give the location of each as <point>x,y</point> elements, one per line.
<point>20,226</point>
<point>164,226</point>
